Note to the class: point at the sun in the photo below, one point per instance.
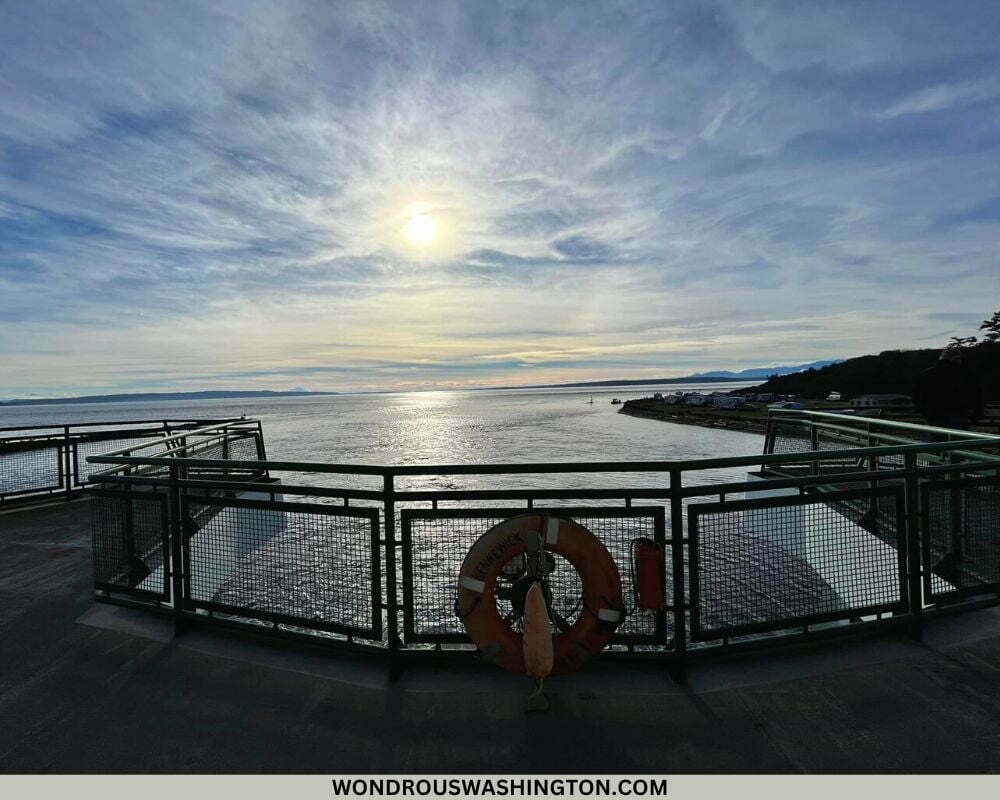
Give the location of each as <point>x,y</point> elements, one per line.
<point>420,229</point>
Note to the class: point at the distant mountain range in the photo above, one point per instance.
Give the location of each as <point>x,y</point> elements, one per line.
<point>124,398</point>
<point>702,377</point>
<point>767,372</point>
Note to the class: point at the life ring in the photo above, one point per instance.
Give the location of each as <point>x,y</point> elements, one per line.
<point>602,607</point>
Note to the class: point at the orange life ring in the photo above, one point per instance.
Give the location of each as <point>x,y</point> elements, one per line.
<point>602,607</point>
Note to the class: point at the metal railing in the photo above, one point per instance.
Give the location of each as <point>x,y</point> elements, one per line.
<point>880,531</point>
<point>38,462</point>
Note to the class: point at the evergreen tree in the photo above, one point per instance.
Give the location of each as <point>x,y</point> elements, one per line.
<point>992,327</point>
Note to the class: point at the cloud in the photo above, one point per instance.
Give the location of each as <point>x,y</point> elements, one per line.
<point>943,96</point>
<point>582,248</point>
<point>216,196</point>
<point>988,211</point>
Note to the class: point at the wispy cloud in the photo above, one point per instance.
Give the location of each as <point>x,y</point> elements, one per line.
<point>212,195</point>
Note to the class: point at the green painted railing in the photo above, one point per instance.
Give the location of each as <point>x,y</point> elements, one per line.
<point>883,523</point>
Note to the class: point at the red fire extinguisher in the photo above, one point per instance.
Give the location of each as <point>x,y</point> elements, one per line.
<point>647,568</point>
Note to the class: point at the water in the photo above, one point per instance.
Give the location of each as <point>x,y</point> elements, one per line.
<point>514,425</point>
<point>301,571</point>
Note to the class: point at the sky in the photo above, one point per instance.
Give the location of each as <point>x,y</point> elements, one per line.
<point>217,195</point>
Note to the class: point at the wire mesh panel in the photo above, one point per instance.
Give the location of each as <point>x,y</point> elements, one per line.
<point>207,448</point>
<point>961,537</point>
<point>802,561</point>
<point>82,469</point>
<point>233,446</point>
<point>30,466</point>
<point>436,541</point>
<point>129,533</point>
<point>243,447</point>
<point>303,565</point>
<point>873,511</point>
<point>789,436</point>
<point>827,439</point>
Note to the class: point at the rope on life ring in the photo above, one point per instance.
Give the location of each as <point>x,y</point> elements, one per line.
<point>532,534</point>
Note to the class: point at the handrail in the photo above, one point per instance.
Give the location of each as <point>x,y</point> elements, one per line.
<point>886,436</point>
<point>226,430</point>
<point>889,423</point>
<point>806,419</point>
<point>61,427</point>
<point>49,458</point>
<point>886,499</point>
<point>542,467</point>
<point>182,435</point>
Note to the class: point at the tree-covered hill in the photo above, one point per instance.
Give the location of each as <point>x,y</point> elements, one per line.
<point>890,371</point>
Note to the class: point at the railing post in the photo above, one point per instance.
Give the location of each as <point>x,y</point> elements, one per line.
<point>873,466</point>
<point>956,512</point>
<point>261,451</point>
<point>67,463</point>
<point>176,550</point>
<point>392,604</point>
<point>679,670</point>
<point>912,533</point>
<point>814,446</point>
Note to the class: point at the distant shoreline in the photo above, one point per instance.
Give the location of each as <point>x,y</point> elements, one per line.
<point>703,416</point>
<point>612,384</point>
<point>755,375</point>
<point>754,420</point>
<point>126,398</point>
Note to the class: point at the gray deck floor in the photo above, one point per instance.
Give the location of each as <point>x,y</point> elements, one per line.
<point>87,688</point>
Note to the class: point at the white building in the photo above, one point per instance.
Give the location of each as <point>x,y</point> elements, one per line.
<point>728,401</point>
<point>881,400</point>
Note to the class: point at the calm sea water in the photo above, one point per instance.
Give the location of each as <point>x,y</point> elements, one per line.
<point>462,427</point>
<point>514,425</point>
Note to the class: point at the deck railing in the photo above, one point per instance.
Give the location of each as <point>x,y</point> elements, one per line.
<point>39,462</point>
<point>890,524</point>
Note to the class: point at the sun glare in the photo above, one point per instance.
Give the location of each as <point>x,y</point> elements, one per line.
<point>420,229</point>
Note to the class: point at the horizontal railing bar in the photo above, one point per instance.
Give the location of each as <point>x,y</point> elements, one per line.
<point>273,487</point>
<point>34,490</point>
<point>423,495</point>
<point>319,491</point>
<point>91,436</point>
<point>551,467</point>
<point>861,434</point>
<point>283,488</point>
<point>888,423</point>
<point>185,446</point>
<point>198,422</point>
<point>276,466</point>
<point>224,426</point>
<point>426,495</point>
<point>897,440</point>
<point>830,479</point>
<point>81,437</point>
